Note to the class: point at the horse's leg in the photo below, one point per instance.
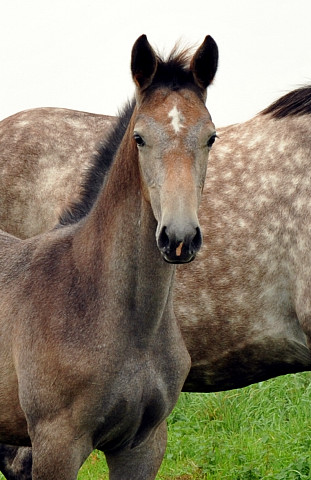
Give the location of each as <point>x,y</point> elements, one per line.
<point>58,451</point>
<point>139,463</point>
<point>15,462</point>
<point>303,309</point>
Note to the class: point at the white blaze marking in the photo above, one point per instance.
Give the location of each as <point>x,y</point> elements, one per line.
<point>176,119</point>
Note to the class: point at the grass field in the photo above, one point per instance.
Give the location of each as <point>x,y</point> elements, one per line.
<point>259,432</point>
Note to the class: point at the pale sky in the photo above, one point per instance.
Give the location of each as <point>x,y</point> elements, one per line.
<point>76,53</point>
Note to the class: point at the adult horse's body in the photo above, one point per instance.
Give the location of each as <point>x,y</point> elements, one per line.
<point>36,155</point>
<point>91,355</point>
<point>244,307</point>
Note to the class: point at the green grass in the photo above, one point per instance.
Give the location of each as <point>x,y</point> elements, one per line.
<point>259,432</point>
<point>263,431</point>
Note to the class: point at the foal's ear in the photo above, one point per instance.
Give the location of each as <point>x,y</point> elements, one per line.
<point>204,62</point>
<point>143,62</point>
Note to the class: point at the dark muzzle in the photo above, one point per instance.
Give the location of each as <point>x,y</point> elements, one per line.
<point>179,247</point>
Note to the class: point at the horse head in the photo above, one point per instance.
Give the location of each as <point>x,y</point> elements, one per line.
<point>174,132</point>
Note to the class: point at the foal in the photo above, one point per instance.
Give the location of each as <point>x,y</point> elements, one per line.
<point>91,354</point>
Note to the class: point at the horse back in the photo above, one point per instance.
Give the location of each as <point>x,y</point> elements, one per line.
<point>42,151</point>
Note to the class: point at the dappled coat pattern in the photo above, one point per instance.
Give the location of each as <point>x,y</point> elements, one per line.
<point>44,146</point>
<point>246,316</point>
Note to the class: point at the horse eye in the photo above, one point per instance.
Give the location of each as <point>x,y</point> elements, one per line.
<point>140,142</point>
<point>211,140</point>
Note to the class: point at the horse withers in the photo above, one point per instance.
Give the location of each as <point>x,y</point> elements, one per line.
<point>91,353</point>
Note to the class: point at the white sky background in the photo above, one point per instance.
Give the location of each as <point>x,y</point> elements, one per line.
<point>76,53</point>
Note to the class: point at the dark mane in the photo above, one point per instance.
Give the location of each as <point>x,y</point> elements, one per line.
<point>173,73</point>
<point>101,162</point>
<point>297,102</point>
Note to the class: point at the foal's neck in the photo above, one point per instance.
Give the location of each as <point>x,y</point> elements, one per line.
<point>119,238</point>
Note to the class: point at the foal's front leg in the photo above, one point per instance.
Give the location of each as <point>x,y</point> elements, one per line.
<point>139,463</point>
<point>58,451</point>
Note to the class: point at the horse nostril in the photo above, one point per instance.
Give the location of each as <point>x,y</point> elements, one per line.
<point>163,240</point>
<point>196,241</point>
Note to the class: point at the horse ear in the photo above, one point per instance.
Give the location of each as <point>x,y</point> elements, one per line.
<point>204,62</point>
<point>143,62</point>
